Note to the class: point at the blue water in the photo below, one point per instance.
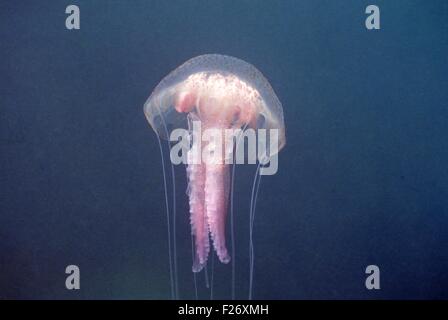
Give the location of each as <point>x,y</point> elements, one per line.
<point>362,180</point>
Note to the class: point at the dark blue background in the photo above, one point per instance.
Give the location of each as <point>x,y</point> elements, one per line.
<point>362,180</point>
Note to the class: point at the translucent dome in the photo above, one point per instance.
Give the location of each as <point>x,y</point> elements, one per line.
<point>226,87</point>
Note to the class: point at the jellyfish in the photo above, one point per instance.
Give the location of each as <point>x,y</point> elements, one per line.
<point>219,93</point>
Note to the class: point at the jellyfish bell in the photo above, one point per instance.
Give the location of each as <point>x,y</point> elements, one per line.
<point>219,92</point>
<point>231,81</point>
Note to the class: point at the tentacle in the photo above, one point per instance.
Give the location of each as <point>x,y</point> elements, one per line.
<point>253,202</point>
<point>198,218</point>
<point>216,196</point>
<point>167,218</point>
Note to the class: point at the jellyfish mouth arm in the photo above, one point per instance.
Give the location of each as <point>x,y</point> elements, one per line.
<point>216,197</point>
<point>208,192</point>
<point>198,218</point>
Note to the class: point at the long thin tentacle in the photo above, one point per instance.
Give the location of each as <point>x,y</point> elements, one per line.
<point>167,218</point>
<point>173,179</point>
<point>232,235</point>
<point>254,195</point>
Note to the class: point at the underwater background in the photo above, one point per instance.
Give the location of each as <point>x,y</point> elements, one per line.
<point>363,178</point>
